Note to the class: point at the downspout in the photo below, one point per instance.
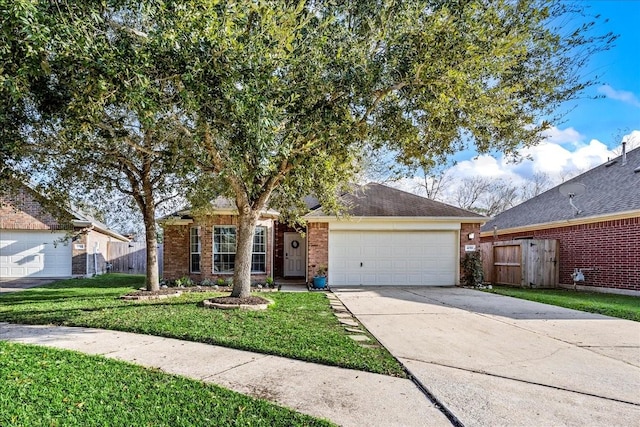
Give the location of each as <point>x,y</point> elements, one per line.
<point>95,258</point>
<point>273,248</point>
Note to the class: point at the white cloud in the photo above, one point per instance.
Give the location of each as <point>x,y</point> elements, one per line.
<point>563,136</point>
<point>619,95</point>
<point>561,156</point>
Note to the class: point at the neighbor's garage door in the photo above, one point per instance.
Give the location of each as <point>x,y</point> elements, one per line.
<point>388,258</point>
<point>34,254</point>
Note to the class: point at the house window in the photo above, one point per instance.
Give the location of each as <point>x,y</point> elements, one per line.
<point>195,246</point>
<point>259,255</point>
<point>224,250</point>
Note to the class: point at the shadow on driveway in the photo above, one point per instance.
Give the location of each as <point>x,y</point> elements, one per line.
<point>497,360</point>
<point>14,285</point>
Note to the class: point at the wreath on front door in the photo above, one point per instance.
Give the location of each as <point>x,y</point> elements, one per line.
<point>295,244</point>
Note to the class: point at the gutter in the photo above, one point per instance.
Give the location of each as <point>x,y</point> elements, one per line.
<point>562,223</point>
<point>89,225</point>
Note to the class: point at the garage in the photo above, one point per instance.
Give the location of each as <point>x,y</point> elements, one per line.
<point>393,258</point>
<point>34,254</point>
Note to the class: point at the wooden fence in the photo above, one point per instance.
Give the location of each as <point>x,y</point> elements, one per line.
<point>130,257</point>
<point>524,263</point>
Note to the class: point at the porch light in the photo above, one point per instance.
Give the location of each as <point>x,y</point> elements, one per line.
<point>471,236</point>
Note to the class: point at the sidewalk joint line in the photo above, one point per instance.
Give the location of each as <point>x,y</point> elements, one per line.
<point>475,371</point>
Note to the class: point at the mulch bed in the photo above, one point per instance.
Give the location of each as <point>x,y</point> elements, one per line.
<point>239,301</point>
<point>171,292</point>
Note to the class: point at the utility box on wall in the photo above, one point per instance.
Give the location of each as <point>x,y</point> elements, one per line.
<point>525,263</point>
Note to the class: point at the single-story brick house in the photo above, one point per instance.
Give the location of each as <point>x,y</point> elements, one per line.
<point>390,237</point>
<point>35,244</point>
<point>598,235</point>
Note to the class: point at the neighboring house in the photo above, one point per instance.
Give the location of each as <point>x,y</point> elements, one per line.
<point>35,244</point>
<point>601,239</point>
<point>389,238</point>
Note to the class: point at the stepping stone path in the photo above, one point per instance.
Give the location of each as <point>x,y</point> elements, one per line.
<point>359,338</point>
<point>351,324</point>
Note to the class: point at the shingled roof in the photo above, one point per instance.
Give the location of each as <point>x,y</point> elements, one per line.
<point>611,188</point>
<point>377,200</point>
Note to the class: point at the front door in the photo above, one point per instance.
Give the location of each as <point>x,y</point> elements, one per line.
<point>294,255</point>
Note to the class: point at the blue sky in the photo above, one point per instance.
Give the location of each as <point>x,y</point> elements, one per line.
<point>593,129</point>
<point>619,71</point>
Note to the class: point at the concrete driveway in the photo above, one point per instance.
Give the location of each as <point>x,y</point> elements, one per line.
<point>495,360</point>
<point>14,285</point>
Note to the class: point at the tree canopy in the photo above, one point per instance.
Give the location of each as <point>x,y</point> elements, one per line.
<point>275,100</point>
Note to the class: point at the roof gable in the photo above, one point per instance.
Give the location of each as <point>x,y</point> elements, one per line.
<point>377,200</point>
<point>38,212</point>
<point>612,187</point>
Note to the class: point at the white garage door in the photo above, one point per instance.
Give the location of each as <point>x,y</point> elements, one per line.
<point>386,258</point>
<point>34,254</point>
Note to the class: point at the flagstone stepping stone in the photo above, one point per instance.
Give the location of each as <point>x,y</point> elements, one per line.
<point>354,330</point>
<point>343,315</point>
<point>369,346</point>
<point>359,338</point>
<point>348,322</point>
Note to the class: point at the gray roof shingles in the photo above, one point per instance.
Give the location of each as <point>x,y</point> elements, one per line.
<point>609,190</point>
<point>377,200</point>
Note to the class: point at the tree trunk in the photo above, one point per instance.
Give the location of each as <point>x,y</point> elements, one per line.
<point>244,249</point>
<point>153,279</point>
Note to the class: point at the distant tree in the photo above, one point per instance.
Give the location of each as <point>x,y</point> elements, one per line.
<point>435,180</point>
<point>538,184</point>
<point>486,196</point>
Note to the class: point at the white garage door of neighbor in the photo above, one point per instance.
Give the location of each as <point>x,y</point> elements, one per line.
<point>34,254</point>
<point>388,258</point>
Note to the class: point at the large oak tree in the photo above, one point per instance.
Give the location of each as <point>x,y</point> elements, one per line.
<point>275,100</point>
<point>288,97</point>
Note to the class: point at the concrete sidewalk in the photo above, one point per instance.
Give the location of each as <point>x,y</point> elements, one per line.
<point>494,360</point>
<point>344,396</point>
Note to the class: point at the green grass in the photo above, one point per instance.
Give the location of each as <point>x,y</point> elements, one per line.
<point>41,386</point>
<point>299,325</point>
<point>622,306</point>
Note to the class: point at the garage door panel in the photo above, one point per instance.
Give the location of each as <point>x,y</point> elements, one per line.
<point>34,254</point>
<point>387,258</point>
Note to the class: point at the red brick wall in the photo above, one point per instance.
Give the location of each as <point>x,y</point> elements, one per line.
<point>318,238</point>
<point>465,230</point>
<point>611,247</point>
<point>79,256</point>
<point>21,211</point>
<point>177,251</point>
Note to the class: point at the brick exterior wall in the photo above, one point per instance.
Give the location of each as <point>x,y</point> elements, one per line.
<point>79,256</point>
<point>318,244</point>
<point>21,211</point>
<point>177,253</point>
<point>609,247</point>
<point>465,230</point>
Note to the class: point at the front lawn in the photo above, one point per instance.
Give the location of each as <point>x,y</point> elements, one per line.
<point>299,325</point>
<point>42,386</point>
<point>622,306</point>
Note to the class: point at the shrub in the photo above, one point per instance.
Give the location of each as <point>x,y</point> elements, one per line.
<point>184,281</point>
<point>472,274</point>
